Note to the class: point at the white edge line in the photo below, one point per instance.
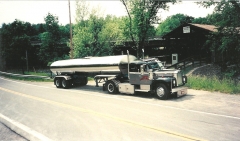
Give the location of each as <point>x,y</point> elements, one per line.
<point>188,110</point>
<point>23,130</point>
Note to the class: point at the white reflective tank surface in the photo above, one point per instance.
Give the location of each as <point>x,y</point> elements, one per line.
<point>106,64</point>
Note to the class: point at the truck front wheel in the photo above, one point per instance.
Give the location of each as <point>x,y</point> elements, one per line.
<point>58,82</point>
<point>111,87</point>
<point>162,92</point>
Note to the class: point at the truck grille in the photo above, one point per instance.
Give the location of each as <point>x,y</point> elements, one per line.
<point>179,79</point>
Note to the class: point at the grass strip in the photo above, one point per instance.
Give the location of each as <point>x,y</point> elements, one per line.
<point>213,84</point>
<point>27,78</point>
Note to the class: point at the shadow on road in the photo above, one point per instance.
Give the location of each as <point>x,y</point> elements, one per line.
<point>93,88</point>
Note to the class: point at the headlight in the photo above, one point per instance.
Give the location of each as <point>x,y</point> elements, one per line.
<point>174,82</point>
<point>184,80</point>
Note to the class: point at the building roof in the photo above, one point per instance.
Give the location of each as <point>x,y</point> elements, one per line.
<point>192,29</point>
<point>205,26</point>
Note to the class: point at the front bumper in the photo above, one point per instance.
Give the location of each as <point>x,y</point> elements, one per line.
<point>180,91</point>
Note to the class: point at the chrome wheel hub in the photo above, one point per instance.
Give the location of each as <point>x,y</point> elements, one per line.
<point>110,87</point>
<point>160,91</point>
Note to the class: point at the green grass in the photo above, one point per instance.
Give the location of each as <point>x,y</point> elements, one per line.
<point>28,79</point>
<point>213,84</point>
<point>38,74</point>
<point>29,73</point>
<point>90,79</point>
<point>35,79</point>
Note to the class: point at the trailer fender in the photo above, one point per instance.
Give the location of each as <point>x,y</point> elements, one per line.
<point>60,77</point>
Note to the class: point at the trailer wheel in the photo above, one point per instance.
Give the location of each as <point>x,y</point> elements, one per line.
<point>58,82</point>
<point>162,92</point>
<point>65,83</point>
<point>111,87</point>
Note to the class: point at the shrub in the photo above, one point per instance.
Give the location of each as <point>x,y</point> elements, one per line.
<point>213,83</point>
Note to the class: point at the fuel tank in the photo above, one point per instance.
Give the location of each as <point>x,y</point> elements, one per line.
<point>97,65</point>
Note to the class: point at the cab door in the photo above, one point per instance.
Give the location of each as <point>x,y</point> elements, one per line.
<point>140,78</point>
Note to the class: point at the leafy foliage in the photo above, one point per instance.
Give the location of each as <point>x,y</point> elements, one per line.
<point>16,40</point>
<point>141,17</point>
<point>203,20</point>
<point>93,34</point>
<point>224,85</point>
<point>172,22</point>
<point>53,40</point>
<point>18,35</point>
<point>226,17</point>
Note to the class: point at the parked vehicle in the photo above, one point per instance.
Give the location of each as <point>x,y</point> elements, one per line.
<point>121,73</point>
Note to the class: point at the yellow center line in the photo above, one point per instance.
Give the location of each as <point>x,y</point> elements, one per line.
<point>175,134</point>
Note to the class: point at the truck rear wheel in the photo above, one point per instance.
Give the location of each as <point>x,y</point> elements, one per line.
<point>162,92</point>
<point>65,83</point>
<point>111,87</point>
<point>58,82</point>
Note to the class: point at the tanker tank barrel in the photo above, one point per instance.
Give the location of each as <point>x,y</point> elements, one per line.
<point>97,65</point>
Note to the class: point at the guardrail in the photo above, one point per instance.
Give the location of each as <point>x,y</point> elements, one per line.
<point>24,76</point>
<point>189,61</point>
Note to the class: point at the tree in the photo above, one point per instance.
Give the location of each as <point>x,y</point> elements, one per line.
<point>202,20</point>
<point>112,33</point>
<point>93,34</point>
<point>16,41</point>
<point>54,44</point>
<point>172,22</point>
<point>142,14</point>
<point>226,17</point>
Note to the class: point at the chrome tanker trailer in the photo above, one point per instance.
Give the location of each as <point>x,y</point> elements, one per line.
<point>122,73</point>
<point>75,71</point>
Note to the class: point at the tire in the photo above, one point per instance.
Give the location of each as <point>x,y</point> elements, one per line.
<point>111,87</point>
<point>58,82</point>
<point>65,83</point>
<point>162,92</point>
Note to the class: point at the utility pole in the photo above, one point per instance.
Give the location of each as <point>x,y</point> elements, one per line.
<point>27,60</point>
<point>71,45</point>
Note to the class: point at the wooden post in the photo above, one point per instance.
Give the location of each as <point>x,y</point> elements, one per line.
<point>27,60</point>
<point>193,61</point>
<point>200,61</point>
<point>184,64</point>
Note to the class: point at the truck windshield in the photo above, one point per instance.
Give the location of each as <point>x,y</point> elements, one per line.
<point>156,66</point>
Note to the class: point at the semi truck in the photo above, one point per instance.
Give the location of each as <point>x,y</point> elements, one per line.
<point>121,74</point>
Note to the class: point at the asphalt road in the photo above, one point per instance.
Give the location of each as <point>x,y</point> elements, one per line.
<point>88,113</point>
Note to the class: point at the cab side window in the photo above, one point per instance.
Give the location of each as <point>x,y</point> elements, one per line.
<point>134,68</point>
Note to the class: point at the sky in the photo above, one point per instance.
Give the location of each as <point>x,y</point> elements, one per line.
<point>34,11</point>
